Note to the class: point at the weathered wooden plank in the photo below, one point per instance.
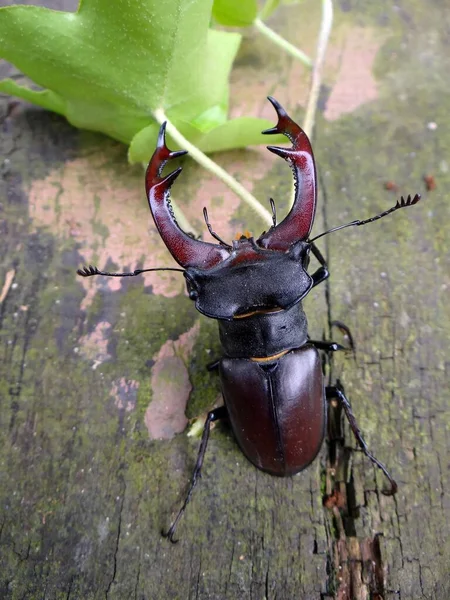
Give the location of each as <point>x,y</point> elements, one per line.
<point>84,364</point>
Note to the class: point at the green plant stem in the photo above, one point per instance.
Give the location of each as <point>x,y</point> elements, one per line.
<point>316,79</point>
<point>213,167</point>
<point>182,220</point>
<point>282,43</point>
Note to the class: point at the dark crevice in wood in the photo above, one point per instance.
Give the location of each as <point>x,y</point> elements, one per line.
<point>117,540</point>
<point>356,567</point>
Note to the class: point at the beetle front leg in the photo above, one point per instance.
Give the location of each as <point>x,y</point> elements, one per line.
<point>322,272</point>
<point>213,415</point>
<point>337,392</point>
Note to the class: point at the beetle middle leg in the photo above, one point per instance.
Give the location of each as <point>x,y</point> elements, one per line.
<point>337,392</point>
<point>330,346</point>
<point>327,346</point>
<point>213,415</point>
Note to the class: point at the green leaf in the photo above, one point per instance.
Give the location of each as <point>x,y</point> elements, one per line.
<point>108,68</point>
<point>237,133</point>
<point>235,13</point>
<point>47,99</point>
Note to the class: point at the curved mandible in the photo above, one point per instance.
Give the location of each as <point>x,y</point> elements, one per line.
<point>298,223</point>
<point>187,251</point>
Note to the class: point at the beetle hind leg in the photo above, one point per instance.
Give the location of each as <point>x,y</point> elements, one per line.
<point>337,392</point>
<point>213,415</point>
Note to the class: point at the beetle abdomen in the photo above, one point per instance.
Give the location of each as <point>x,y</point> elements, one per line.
<point>276,409</point>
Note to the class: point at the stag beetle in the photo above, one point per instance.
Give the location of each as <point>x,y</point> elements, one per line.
<point>271,372</point>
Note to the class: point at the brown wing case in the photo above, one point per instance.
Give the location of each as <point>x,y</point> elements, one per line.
<point>278,418</point>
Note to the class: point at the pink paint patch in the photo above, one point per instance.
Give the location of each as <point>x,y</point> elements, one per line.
<point>100,202</point>
<point>171,387</point>
<point>124,392</point>
<point>94,345</point>
<point>355,83</point>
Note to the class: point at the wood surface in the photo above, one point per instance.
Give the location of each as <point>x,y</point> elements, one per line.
<point>93,371</point>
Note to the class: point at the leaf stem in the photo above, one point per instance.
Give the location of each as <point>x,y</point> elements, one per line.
<point>282,43</point>
<point>181,219</point>
<point>316,80</point>
<point>213,167</point>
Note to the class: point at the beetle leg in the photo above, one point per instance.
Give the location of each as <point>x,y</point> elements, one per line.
<point>327,346</point>
<point>322,272</point>
<point>213,415</point>
<point>344,329</point>
<point>338,393</point>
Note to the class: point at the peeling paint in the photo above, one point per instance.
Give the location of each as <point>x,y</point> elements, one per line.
<point>171,387</point>
<point>102,206</point>
<point>355,84</point>
<point>124,392</point>
<point>94,345</point>
<point>165,415</point>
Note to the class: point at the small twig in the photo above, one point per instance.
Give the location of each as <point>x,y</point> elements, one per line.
<point>8,283</point>
<point>282,43</point>
<point>316,80</point>
<point>213,167</point>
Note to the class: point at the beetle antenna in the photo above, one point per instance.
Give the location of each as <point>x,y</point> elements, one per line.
<point>402,203</point>
<point>274,212</point>
<point>213,233</point>
<point>90,270</point>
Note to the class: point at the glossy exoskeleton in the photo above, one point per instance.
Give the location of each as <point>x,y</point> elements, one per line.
<point>271,371</point>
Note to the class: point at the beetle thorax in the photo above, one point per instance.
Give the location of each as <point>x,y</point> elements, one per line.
<point>264,334</point>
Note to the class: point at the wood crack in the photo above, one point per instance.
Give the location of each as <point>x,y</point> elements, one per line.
<point>117,540</point>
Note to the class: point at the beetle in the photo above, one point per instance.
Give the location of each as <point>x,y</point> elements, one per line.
<point>271,375</point>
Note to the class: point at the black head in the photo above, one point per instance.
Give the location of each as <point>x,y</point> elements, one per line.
<point>251,280</point>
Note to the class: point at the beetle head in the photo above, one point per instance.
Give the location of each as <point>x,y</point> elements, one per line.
<point>251,280</point>
<point>230,281</point>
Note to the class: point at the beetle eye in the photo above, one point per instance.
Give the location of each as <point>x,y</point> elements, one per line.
<point>191,289</point>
